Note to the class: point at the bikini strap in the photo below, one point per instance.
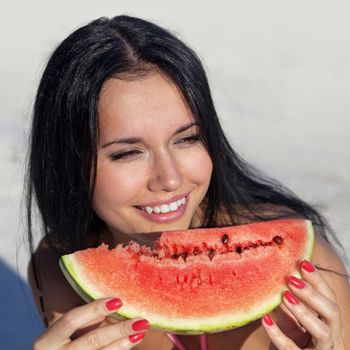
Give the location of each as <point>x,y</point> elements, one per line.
<point>176,341</point>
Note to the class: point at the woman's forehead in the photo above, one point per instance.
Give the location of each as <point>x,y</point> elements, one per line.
<point>135,105</point>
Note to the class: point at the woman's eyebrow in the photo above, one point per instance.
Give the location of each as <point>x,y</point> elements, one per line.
<point>133,140</point>
<point>185,127</point>
<point>129,140</point>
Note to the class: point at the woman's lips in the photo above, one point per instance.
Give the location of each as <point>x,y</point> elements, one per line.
<point>165,217</point>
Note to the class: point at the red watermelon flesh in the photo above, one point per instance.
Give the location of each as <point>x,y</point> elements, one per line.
<point>200,280</point>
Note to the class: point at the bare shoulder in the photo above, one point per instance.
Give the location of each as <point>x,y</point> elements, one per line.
<point>326,257</point>
<point>52,293</point>
<point>332,267</point>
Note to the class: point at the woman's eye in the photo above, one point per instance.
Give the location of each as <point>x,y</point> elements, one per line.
<point>124,155</point>
<point>189,139</point>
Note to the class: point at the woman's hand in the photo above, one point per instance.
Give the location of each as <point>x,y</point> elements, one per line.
<point>120,335</point>
<point>314,320</point>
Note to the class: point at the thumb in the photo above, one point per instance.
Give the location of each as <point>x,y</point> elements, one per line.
<point>290,326</point>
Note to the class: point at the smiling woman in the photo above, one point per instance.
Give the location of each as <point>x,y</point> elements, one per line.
<point>125,140</point>
<point>149,157</point>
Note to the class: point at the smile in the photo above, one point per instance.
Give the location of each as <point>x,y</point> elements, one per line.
<point>164,212</point>
<point>165,208</point>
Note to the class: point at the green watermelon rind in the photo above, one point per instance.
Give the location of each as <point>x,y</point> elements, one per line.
<point>71,271</point>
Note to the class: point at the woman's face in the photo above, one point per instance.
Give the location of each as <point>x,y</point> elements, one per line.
<point>152,170</point>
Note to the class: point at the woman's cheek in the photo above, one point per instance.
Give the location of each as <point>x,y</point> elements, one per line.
<point>118,184</point>
<point>198,165</point>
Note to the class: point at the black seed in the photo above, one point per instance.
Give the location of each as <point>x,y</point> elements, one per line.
<point>224,239</point>
<point>278,240</point>
<point>239,249</point>
<point>211,253</point>
<point>175,256</point>
<point>184,255</point>
<point>196,251</point>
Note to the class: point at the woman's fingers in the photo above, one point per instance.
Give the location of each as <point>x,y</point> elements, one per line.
<point>278,339</point>
<point>122,335</point>
<point>313,305</point>
<point>281,341</point>
<point>59,333</point>
<point>320,331</point>
<point>82,315</point>
<point>126,343</point>
<point>322,306</point>
<point>290,326</point>
<point>316,280</point>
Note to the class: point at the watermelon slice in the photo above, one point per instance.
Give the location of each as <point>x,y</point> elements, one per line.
<point>196,281</point>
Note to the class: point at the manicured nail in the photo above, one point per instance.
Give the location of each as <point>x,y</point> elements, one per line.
<point>134,338</point>
<point>140,325</point>
<point>291,298</point>
<point>307,266</point>
<point>114,304</point>
<point>268,320</point>
<point>296,282</point>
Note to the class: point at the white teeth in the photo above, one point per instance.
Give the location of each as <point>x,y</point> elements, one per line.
<point>156,210</point>
<point>165,208</point>
<point>149,210</point>
<point>173,206</point>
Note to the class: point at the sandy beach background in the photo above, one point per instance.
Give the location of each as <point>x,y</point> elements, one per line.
<point>280,77</point>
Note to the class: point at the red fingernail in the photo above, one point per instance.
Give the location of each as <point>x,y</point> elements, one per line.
<point>306,265</point>
<point>114,304</point>
<point>134,338</point>
<point>268,320</point>
<point>140,325</point>
<point>296,282</point>
<point>291,298</point>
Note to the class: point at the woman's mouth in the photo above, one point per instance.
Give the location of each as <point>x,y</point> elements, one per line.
<point>165,208</point>
<point>165,212</point>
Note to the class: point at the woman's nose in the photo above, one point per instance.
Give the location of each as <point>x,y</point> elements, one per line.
<point>165,174</point>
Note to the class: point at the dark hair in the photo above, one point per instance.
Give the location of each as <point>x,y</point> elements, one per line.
<point>62,159</point>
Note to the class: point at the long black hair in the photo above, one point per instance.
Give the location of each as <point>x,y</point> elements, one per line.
<point>62,158</point>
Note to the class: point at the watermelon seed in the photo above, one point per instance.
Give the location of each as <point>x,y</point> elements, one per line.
<point>239,249</point>
<point>278,240</point>
<point>252,245</point>
<point>224,239</point>
<point>184,256</point>
<point>175,256</point>
<point>196,251</point>
<point>211,253</point>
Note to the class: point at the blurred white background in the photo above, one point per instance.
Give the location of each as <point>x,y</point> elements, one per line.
<point>280,76</point>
